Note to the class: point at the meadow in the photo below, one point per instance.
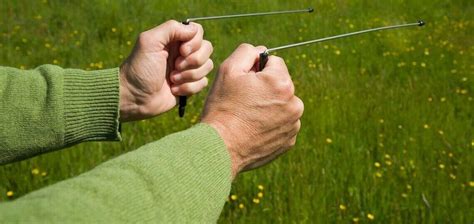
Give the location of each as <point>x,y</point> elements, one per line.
<point>387,135</point>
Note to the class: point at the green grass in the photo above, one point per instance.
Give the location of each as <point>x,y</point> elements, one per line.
<point>401,98</point>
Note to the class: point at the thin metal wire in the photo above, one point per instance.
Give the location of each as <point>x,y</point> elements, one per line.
<point>247,15</point>
<point>419,23</point>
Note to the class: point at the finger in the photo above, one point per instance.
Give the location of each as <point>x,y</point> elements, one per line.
<point>192,75</point>
<point>196,59</point>
<point>195,43</point>
<point>296,108</point>
<point>168,32</point>
<point>275,64</point>
<point>189,88</point>
<point>275,71</point>
<point>243,59</point>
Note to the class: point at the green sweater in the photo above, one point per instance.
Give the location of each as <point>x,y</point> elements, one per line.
<point>184,177</point>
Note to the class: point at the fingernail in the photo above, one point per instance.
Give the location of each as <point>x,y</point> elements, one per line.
<point>187,50</point>
<point>177,77</point>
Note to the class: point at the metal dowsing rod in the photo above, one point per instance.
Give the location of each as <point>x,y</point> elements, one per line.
<point>183,99</point>
<point>264,55</point>
<point>187,21</point>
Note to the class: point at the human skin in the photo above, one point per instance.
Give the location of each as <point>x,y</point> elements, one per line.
<point>255,112</point>
<point>167,61</point>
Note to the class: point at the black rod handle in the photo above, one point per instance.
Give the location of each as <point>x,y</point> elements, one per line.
<point>263,59</point>
<point>182,99</point>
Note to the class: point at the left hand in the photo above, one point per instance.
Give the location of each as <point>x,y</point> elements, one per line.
<point>167,61</point>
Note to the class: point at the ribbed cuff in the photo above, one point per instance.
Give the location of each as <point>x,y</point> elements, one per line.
<point>91,105</point>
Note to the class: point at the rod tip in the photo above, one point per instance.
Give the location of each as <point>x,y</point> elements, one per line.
<point>310,9</point>
<point>421,23</point>
<point>186,22</point>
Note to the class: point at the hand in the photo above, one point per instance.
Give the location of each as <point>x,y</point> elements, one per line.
<point>167,61</point>
<point>256,113</point>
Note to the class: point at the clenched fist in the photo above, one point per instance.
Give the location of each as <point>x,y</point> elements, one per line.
<point>167,61</point>
<point>256,113</point>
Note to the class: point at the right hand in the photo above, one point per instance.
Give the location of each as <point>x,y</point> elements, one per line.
<point>167,61</point>
<point>256,113</point>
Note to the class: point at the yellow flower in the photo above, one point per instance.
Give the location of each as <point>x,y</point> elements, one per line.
<point>423,64</point>
<point>370,216</point>
<point>388,162</point>
<point>260,194</point>
<point>441,132</point>
<point>342,207</point>
<point>44,173</point>
<point>241,206</point>
<point>55,61</point>
<point>404,195</point>
<point>452,176</point>
<point>9,193</point>
<point>256,200</point>
<point>47,45</point>
<point>337,52</point>
<point>381,121</point>
<point>129,43</point>
<point>426,126</point>
<point>471,183</point>
<point>409,187</point>
<point>441,166</point>
<point>233,197</point>
<point>260,187</point>
<point>328,140</point>
<point>114,29</point>
<point>35,171</point>
<point>378,174</point>
<point>355,219</point>
<point>377,164</point>
<point>443,99</point>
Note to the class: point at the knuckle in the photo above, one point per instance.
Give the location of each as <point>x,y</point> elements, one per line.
<point>299,105</point>
<point>205,82</point>
<point>193,60</point>
<point>298,126</point>
<point>285,88</point>
<point>186,88</point>
<point>171,23</point>
<point>245,46</point>
<point>209,45</point>
<point>292,142</point>
<point>144,38</point>
<point>210,64</point>
<point>199,26</point>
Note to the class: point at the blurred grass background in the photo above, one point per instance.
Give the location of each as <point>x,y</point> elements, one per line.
<point>387,133</point>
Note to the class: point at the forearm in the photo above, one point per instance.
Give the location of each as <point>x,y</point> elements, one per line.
<point>182,178</point>
<point>49,108</point>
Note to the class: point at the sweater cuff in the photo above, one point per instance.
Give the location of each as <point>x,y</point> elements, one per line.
<point>91,105</point>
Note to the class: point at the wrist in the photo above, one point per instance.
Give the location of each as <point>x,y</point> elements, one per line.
<point>232,148</point>
<point>127,106</point>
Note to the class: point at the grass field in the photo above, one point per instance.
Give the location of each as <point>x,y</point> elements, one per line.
<point>387,133</point>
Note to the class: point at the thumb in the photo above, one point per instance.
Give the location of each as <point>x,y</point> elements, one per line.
<point>171,31</point>
<point>243,59</point>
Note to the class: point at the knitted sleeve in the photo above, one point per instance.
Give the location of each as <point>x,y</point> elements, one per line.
<point>50,108</point>
<point>182,178</point>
